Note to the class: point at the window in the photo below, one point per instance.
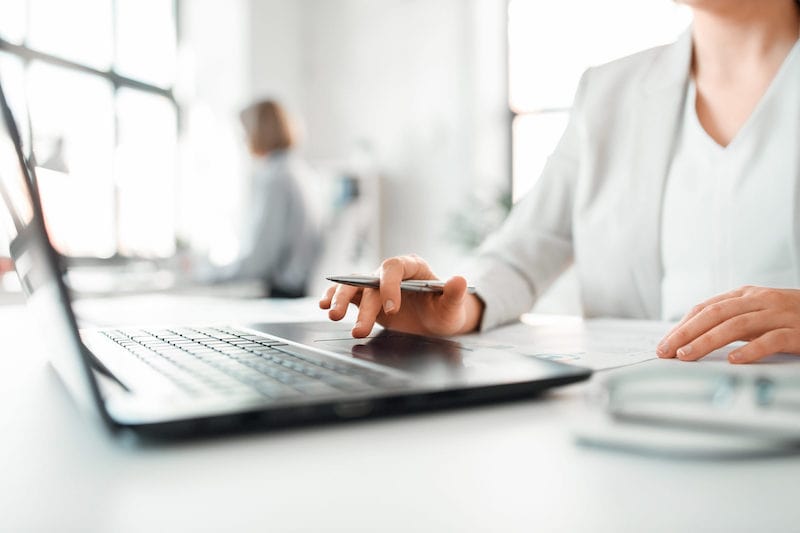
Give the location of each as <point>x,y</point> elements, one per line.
<point>95,78</point>
<point>550,44</point>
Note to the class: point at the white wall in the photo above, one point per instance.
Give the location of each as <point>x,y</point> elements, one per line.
<point>213,85</point>
<point>422,82</point>
<point>276,51</point>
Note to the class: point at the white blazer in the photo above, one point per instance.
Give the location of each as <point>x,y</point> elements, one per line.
<point>598,201</point>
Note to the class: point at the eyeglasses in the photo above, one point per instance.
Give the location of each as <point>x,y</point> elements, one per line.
<point>701,407</point>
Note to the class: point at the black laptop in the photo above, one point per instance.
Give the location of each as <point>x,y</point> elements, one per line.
<point>165,381</point>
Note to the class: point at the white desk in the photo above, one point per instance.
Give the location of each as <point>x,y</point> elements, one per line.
<point>510,467</point>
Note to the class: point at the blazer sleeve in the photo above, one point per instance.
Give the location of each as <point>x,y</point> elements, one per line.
<point>534,246</point>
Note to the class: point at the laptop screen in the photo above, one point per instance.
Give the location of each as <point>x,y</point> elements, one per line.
<point>19,207</point>
<point>37,267</point>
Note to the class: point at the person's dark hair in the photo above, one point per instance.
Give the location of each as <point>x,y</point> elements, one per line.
<point>267,127</point>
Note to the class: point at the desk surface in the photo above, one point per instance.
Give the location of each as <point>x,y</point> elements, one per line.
<point>507,467</point>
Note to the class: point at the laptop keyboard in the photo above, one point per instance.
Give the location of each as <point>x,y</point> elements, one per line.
<point>229,361</point>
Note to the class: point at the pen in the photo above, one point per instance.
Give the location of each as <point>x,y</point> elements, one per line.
<point>411,285</point>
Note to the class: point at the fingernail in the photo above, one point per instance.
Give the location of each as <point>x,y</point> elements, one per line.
<point>735,357</point>
<point>663,348</point>
<point>357,326</point>
<point>685,351</point>
<point>388,306</point>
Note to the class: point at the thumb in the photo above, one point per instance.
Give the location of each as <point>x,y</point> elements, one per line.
<point>452,298</point>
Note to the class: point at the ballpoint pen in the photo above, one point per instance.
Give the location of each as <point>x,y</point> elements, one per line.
<point>411,285</point>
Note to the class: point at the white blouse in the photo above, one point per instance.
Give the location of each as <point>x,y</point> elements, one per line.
<point>729,214</point>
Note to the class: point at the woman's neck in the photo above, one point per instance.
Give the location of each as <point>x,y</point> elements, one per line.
<point>732,38</point>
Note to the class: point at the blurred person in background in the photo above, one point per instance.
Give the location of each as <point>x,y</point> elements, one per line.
<point>281,238</point>
<point>674,190</point>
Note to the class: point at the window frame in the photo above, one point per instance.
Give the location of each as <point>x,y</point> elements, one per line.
<point>29,55</point>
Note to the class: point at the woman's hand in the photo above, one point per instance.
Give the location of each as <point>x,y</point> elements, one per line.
<point>768,318</point>
<point>449,313</point>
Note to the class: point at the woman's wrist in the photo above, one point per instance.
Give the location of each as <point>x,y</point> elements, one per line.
<point>473,308</point>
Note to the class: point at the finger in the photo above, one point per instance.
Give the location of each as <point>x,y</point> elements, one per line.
<point>392,272</point>
<point>723,334</point>
<point>702,305</point>
<point>327,296</point>
<point>769,343</point>
<point>367,313</point>
<point>709,317</point>
<point>342,297</point>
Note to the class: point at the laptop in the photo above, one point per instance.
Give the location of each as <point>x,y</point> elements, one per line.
<point>167,381</point>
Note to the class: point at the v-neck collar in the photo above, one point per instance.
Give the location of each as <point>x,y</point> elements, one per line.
<point>774,84</point>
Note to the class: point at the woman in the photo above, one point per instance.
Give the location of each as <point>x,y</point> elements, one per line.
<point>675,180</point>
<point>282,235</point>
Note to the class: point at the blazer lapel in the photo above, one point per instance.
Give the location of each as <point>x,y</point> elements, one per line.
<point>660,110</point>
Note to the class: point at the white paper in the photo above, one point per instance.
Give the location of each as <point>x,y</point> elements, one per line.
<point>598,344</point>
